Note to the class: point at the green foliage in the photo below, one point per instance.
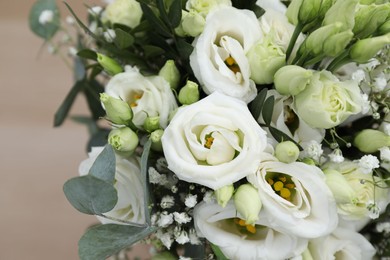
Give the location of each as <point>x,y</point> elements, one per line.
<point>268,109</point>
<point>257,104</point>
<point>123,39</point>
<point>102,241</point>
<point>104,166</point>
<point>144,172</point>
<point>218,253</point>
<point>48,30</point>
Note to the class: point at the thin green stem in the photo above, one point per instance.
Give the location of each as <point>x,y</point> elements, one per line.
<point>294,37</point>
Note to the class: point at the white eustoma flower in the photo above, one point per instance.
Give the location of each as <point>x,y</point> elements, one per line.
<point>218,60</point>
<point>128,184</point>
<point>385,153</point>
<point>213,142</point>
<point>203,7</point>
<point>147,96</point>
<point>341,244</point>
<point>218,226</point>
<point>296,198</point>
<point>275,5</point>
<point>283,117</point>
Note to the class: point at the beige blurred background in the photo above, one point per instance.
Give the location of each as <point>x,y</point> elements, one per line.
<point>36,220</point>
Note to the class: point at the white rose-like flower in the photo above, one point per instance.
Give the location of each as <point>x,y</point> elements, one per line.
<point>218,226</point>
<point>128,184</point>
<point>203,7</point>
<point>213,142</point>
<point>147,96</point>
<point>275,5</point>
<point>341,244</point>
<point>218,59</point>
<point>296,198</point>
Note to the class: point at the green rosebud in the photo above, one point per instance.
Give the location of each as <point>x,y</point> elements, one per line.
<point>248,203</point>
<point>224,194</point>
<point>109,65</point>
<point>152,123</point>
<point>369,18</point>
<point>384,28</point>
<point>365,49</point>
<point>189,93</point>
<point>193,23</point>
<point>118,111</point>
<point>292,79</point>
<point>126,12</point>
<point>286,152</point>
<point>170,73</point>
<point>123,140</point>
<point>370,140</point>
<point>265,58</point>
<point>342,12</point>
<point>155,137</point>
<point>342,191</point>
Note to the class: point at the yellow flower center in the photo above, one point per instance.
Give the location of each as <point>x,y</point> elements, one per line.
<point>209,142</point>
<point>232,64</point>
<point>282,185</point>
<point>135,98</point>
<point>244,227</point>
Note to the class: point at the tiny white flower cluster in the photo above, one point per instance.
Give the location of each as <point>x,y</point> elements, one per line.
<point>46,17</point>
<point>368,163</point>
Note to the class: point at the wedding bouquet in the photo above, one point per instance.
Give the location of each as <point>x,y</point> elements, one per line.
<point>237,129</point>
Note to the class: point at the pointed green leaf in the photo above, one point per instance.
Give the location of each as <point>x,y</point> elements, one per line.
<point>268,109</point>
<point>175,13</point>
<point>48,30</point>
<point>281,137</point>
<point>63,110</point>
<point>258,10</point>
<point>152,51</point>
<point>123,39</point>
<point>104,166</point>
<point>257,104</point>
<point>102,241</point>
<point>218,253</point>
<point>87,54</point>
<point>90,195</point>
<point>185,49</point>
<point>163,11</point>
<point>160,27</point>
<point>145,179</point>
<point>91,92</point>
<point>98,139</point>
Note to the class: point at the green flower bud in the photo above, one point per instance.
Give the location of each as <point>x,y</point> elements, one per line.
<point>293,10</point>
<point>118,111</point>
<point>265,58</point>
<point>248,203</point>
<point>384,28</point>
<point>342,12</point>
<point>309,11</point>
<point>193,23</point>
<point>336,44</point>
<point>224,194</point>
<point>152,123</point>
<point>179,30</point>
<point>292,79</point>
<point>155,136</point>
<point>309,161</point>
<point>123,140</point>
<point>126,12</point>
<point>369,18</point>
<point>315,41</point>
<point>365,49</point>
<point>370,140</point>
<point>109,65</point>
<point>286,152</point>
<point>170,73</point>
<point>189,93</point>
<point>342,191</point>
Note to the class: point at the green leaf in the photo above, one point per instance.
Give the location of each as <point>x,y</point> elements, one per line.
<point>78,69</point>
<point>257,104</point>
<point>185,49</point>
<point>268,109</point>
<point>163,11</point>
<point>145,180</point>
<point>102,241</point>
<point>63,110</point>
<point>87,54</point>
<point>91,92</point>
<point>160,27</point>
<point>152,51</point>
<point>90,195</point>
<point>258,10</point>
<point>98,139</point>
<point>281,136</point>
<point>174,13</point>
<point>123,39</point>
<point>218,253</point>
<point>48,30</point>
<point>104,166</point>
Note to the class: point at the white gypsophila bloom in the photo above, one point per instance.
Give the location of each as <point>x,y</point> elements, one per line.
<point>365,104</point>
<point>190,200</point>
<point>161,164</point>
<point>46,17</point>
<point>368,162</point>
<point>208,196</point>
<point>69,20</point>
<point>165,219</point>
<point>167,202</point>
<point>371,65</point>
<point>313,150</point>
<point>383,227</point>
<point>184,258</point>
<point>51,49</point>
<point>154,176</point>
<point>194,239</point>
<point>153,219</point>
<point>165,238</point>
<point>72,51</point>
<point>109,35</point>
<point>359,75</point>
<point>380,82</point>
<point>95,10</point>
<point>181,218</point>
<point>336,156</point>
<point>182,238</point>
<point>373,209</point>
<point>385,153</point>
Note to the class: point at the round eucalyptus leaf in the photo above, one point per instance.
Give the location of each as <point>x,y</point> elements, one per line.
<point>44,28</point>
